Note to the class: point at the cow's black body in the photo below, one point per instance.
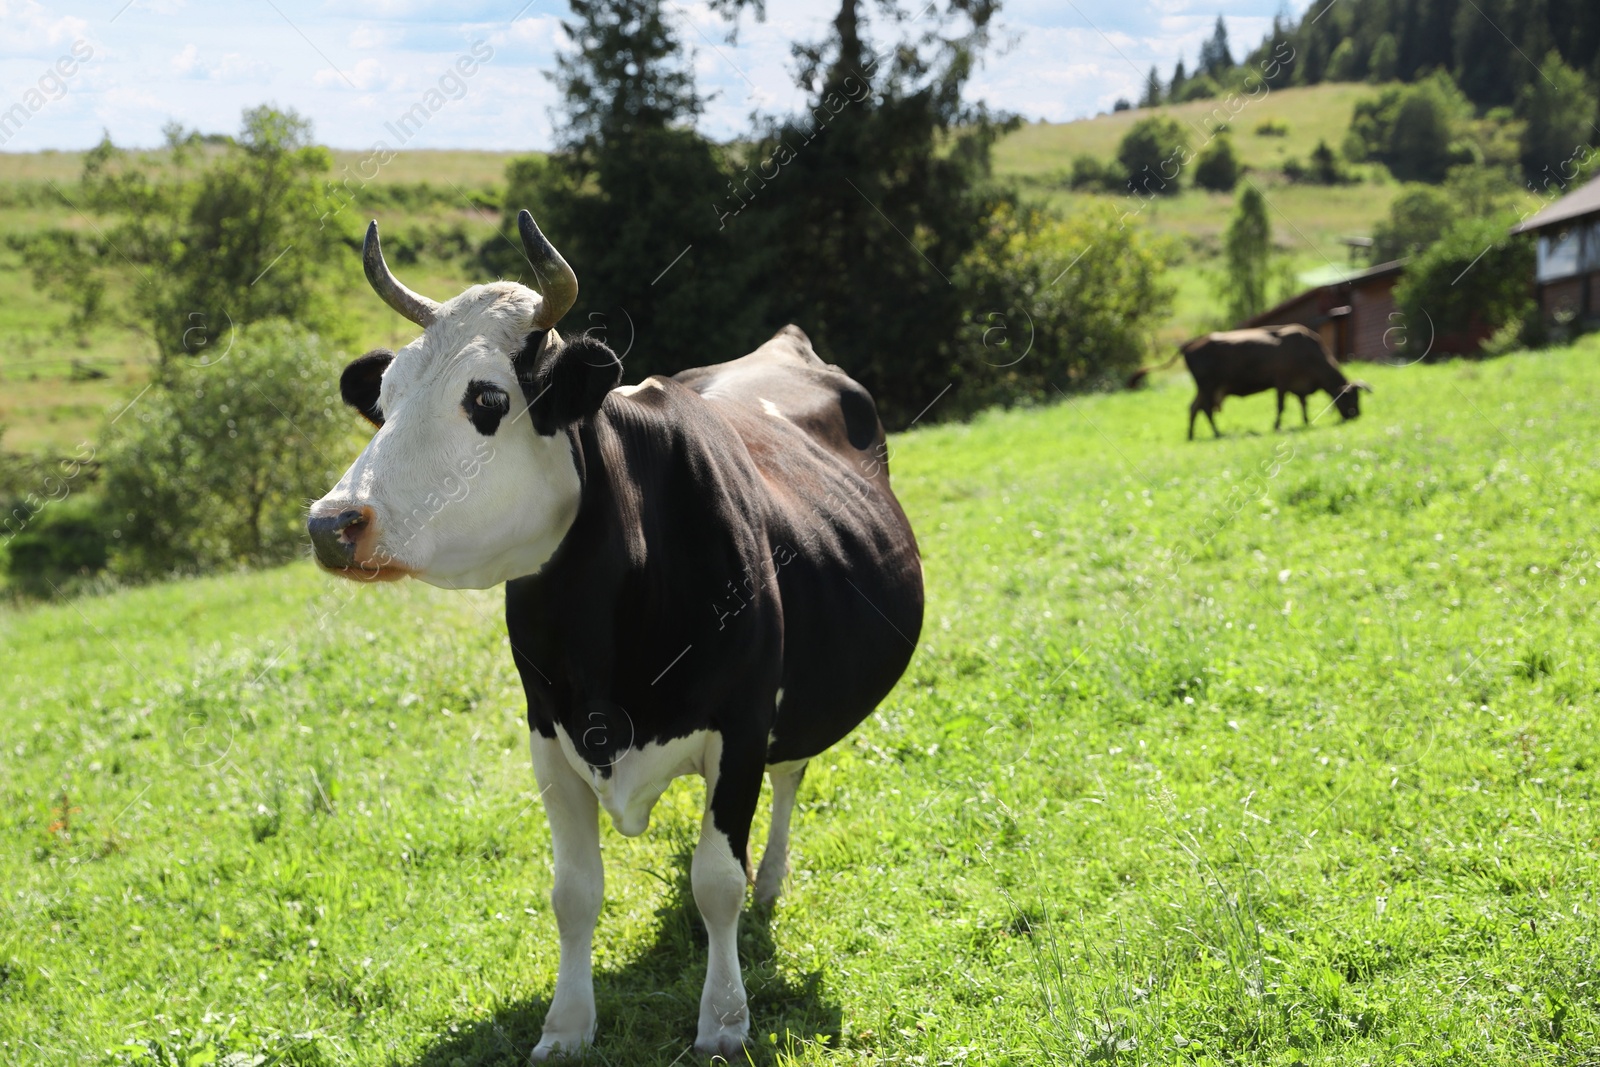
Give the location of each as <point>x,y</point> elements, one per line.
<point>736,537</point>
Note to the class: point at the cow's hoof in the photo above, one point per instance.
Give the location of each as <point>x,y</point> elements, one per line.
<point>726,1042</point>
<point>559,1046</point>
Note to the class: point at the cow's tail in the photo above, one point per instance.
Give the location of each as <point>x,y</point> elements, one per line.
<point>1136,380</point>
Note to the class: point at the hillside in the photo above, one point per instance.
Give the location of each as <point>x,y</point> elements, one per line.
<point>52,398</point>
<point>1270,750</point>
<point>1319,112</point>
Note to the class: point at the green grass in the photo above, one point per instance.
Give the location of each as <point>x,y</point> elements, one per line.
<point>1273,750</point>
<point>1312,114</point>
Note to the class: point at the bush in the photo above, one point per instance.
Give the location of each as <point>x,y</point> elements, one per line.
<point>1152,153</point>
<point>1418,217</point>
<point>1088,173</point>
<point>1217,168</point>
<point>1199,87</point>
<point>1272,128</point>
<point>1323,168</point>
<point>1475,277</point>
<point>1414,130</point>
<point>1076,302</point>
<point>214,469</point>
<point>63,542</point>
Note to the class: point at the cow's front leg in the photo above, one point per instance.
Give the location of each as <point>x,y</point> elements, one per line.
<point>574,818</point>
<point>719,873</point>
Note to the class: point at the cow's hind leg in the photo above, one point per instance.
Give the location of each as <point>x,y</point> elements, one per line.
<point>579,888</point>
<point>719,874</point>
<point>775,860</point>
<point>1277,423</point>
<point>1305,417</point>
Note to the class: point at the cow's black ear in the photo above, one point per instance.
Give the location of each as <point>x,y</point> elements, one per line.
<point>569,384</point>
<point>361,380</point>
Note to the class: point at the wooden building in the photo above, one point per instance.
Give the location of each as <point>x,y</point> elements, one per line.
<point>1567,277</point>
<point>1355,314</point>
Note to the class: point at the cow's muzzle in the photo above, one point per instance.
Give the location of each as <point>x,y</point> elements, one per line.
<point>337,536</point>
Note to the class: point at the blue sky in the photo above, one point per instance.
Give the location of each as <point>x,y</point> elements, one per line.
<point>355,66</point>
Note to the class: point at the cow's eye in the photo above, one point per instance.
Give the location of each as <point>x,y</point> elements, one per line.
<point>485,404</point>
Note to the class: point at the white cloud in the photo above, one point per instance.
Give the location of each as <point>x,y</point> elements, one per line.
<point>230,67</point>
<point>32,31</point>
<point>365,75</point>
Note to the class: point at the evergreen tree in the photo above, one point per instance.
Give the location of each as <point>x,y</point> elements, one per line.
<point>1179,77</point>
<point>632,199</point>
<point>1217,168</point>
<point>877,192</point>
<point>1215,57</point>
<point>1152,90</point>
<point>1248,252</point>
<point>1559,109</point>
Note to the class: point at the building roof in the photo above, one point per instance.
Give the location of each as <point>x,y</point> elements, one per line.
<point>1382,270</point>
<point>1584,200</point>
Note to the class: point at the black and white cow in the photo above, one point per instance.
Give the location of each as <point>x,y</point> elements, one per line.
<point>705,574</point>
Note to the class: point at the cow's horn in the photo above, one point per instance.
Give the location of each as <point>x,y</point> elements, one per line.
<point>419,309</point>
<point>557,284</point>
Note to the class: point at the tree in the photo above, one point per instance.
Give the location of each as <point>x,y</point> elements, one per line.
<point>1325,168</point>
<point>1152,90</point>
<point>1384,59</point>
<point>1178,78</point>
<point>1345,65</point>
<point>1152,154</point>
<point>878,192</point>
<point>216,241</point>
<point>1247,250</point>
<point>1475,278</point>
<point>1560,112</point>
<point>1412,129</point>
<point>1418,217</point>
<point>1215,58</point>
<point>214,470</point>
<point>638,202</point>
<point>1075,301</point>
<point>1217,168</point>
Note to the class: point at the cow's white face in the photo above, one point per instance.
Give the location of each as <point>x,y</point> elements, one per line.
<point>457,487</point>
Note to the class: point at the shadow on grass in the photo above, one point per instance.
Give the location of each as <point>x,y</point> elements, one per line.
<point>649,1005</point>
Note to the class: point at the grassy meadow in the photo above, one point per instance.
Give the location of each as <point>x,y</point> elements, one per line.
<point>1278,749</point>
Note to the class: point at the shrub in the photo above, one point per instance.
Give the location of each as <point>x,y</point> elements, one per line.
<point>1413,130</point>
<point>1075,302</point>
<point>1152,153</point>
<point>1217,168</point>
<point>64,541</point>
<point>1199,87</point>
<point>1474,277</point>
<point>1418,217</point>
<point>214,469</point>
<point>1272,128</point>
<point>1088,173</point>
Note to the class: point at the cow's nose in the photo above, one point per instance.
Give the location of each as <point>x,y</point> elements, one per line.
<point>335,536</point>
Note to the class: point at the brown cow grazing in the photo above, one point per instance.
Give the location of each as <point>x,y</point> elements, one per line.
<point>1290,359</point>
